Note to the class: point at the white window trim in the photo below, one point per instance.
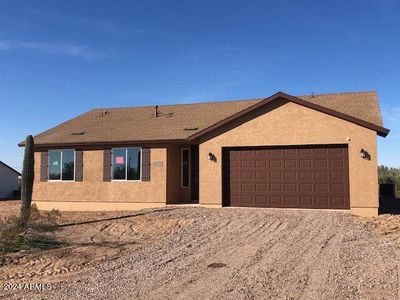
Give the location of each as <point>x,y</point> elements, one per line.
<point>126,165</point>
<point>190,169</point>
<point>61,165</point>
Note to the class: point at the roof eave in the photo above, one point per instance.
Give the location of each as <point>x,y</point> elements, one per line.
<point>104,143</point>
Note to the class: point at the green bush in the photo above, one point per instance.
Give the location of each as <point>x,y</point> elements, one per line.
<point>28,231</point>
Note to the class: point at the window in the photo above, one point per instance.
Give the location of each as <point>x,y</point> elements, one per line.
<point>126,163</point>
<point>62,165</point>
<point>185,168</point>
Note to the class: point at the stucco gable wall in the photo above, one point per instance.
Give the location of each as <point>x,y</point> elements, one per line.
<point>287,123</point>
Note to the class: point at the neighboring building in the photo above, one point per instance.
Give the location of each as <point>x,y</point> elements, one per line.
<point>9,182</point>
<point>317,151</point>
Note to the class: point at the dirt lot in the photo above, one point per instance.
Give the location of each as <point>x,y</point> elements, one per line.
<point>186,253</point>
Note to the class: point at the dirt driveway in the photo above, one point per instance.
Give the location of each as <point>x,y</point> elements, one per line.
<point>248,254</point>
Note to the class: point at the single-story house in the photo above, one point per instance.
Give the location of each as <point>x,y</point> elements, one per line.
<point>315,152</point>
<point>9,181</point>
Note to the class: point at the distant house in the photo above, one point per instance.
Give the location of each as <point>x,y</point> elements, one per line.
<point>8,180</point>
<point>316,151</point>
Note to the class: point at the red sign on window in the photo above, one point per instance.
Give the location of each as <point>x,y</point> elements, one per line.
<point>119,160</point>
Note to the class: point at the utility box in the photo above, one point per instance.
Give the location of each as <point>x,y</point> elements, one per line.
<point>387,190</point>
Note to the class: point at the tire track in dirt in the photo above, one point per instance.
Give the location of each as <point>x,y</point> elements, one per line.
<point>263,254</point>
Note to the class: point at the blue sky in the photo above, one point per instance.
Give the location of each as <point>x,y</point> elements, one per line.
<point>61,58</point>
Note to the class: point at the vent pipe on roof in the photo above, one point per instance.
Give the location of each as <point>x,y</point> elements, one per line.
<point>156,112</point>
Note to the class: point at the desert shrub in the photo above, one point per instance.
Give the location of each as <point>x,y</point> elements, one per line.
<point>390,175</point>
<point>29,231</point>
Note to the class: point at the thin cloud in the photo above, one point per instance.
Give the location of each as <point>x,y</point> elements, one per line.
<point>102,26</point>
<point>51,48</point>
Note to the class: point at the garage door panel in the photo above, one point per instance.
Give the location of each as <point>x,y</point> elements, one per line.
<point>247,200</point>
<point>290,175</point>
<point>338,151</point>
<point>246,175</point>
<point>339,200</point>
<point>261,164</point>
<point>275,163</point>
<point>261,175</point>
<point>320,151</point>
<point>306,201</point>
<point>305,163</point>
<point>261,200</point>
<point>321,163</point>
<point>246,187</point>
<point>338,188</point>
<point>337,163</point>
<point>275,187</point>
<point>290,200</point>
<point>305,151</point>
<point>290,187</point>
<point>321,187</point>
<point>275,175</point>
<point>260,152</point>
<point>337,175</point>
<point>261,187</point>
<point>247,164</point>
<point>306,187</point>
<point>304,176</point>
<point>322,201</point>
<point>234,164</point>
<point>289,152</point>
<point>290,163</point>
<point>276,200</point>
<point>321,175</point>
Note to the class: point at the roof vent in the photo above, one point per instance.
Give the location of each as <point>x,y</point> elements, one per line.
<point>156,112</point>
<point>105,112</point>
<point>190,129</point>
<point>78,133</point>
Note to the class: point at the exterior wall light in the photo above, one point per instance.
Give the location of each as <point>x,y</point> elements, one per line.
<point>364,154</point>
<point>212,157</point>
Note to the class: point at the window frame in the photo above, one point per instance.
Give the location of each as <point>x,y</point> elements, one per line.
<point>61,166</point>
<point>189,168</point>
<point>126,165</point>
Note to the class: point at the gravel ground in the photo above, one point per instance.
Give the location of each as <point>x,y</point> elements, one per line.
<point>248,254</point>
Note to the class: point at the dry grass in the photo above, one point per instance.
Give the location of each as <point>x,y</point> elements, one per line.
<point>83,240</point>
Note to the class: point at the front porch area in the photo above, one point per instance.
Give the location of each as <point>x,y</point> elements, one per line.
<point>182,174</point>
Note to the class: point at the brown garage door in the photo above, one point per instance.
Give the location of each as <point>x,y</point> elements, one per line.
<point>301,176</point>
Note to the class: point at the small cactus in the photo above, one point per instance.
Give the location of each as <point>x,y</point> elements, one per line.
<point>27,174</point>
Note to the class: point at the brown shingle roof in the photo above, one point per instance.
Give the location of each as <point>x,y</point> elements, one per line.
<point>140,124</point>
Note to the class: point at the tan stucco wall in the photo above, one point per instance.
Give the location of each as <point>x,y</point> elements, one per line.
<point>94,194</point>
<point>292,124</point>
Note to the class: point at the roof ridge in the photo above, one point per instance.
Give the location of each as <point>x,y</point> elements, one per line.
<point>342,93</point>
<point>230,100</point>
<point>181,104</point>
